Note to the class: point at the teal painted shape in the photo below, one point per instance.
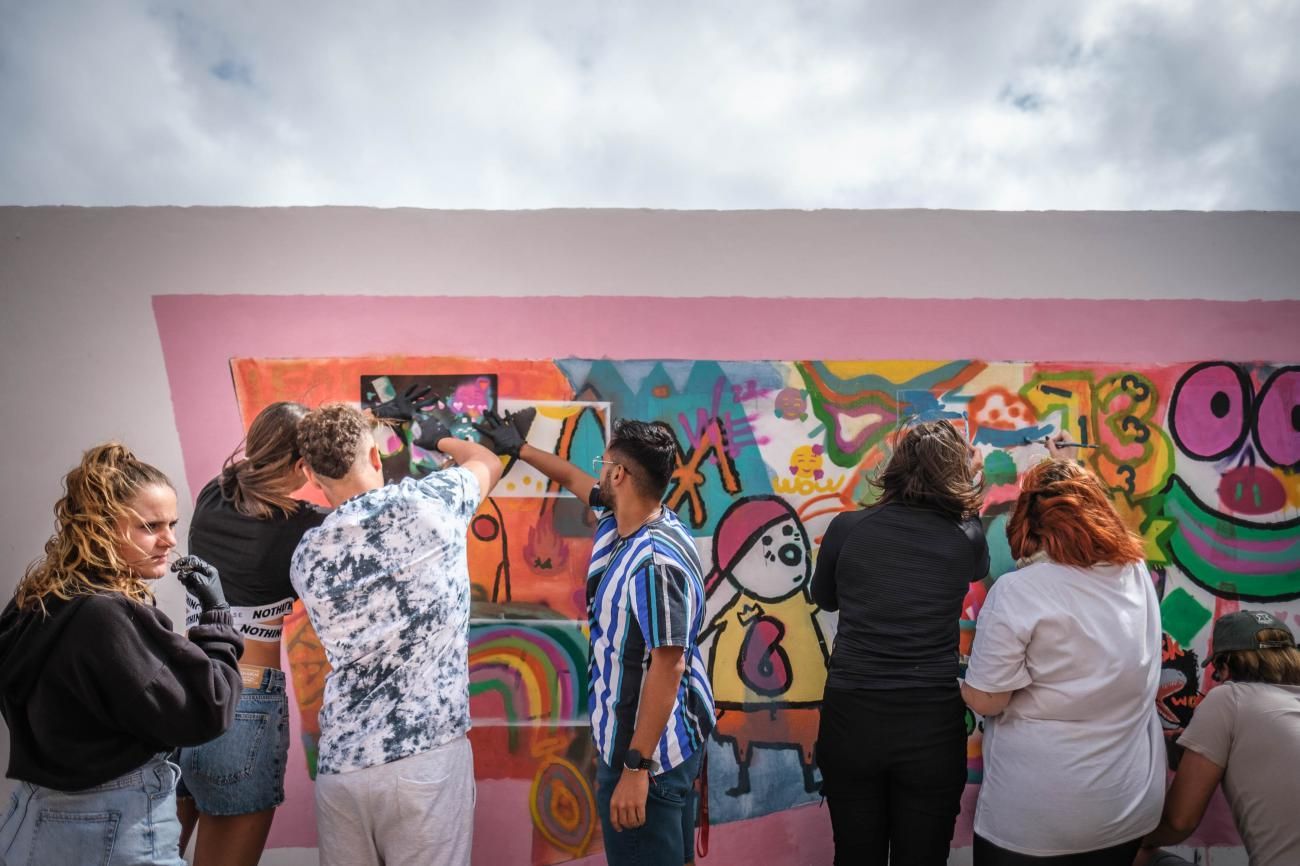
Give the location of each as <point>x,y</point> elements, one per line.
<point>686,401</point>
<point>588,440</point>
<point>1000,559</point>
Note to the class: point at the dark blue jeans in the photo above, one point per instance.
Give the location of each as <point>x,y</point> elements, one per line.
<point>660,840</point>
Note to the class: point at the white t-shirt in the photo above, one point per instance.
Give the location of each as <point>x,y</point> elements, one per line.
<point>1076,761</point>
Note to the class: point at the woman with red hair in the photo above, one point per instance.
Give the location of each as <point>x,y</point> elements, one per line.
<point>1064,669</point>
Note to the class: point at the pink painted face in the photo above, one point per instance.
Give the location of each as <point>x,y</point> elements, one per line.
<point>148,531</point>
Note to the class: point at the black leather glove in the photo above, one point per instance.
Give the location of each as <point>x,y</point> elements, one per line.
<point>201,581</point>
<point>506,435</point>
<point>430,431</point>
<point>407,405</point>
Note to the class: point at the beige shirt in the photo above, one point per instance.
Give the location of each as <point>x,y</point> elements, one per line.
<point>1252,730</point>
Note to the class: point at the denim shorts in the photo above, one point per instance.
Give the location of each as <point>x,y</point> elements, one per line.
<point>127,820</point>
<point>242,771</point>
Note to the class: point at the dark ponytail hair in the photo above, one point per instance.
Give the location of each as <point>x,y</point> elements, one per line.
<point>255,481</point>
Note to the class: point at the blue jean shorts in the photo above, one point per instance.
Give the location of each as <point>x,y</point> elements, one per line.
<point>242,771</point>
<point>127,820</point>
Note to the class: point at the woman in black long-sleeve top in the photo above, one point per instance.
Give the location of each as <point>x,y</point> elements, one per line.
<point>94,684</point>
<point>892,742</point>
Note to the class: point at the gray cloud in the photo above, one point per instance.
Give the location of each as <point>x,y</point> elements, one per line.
<point>1109,105</point>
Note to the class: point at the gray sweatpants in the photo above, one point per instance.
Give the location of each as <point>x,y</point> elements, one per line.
<point>417,810</point>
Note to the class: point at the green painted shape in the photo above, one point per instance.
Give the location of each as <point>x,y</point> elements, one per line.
<point>507,700</point>
<point>999,468</point>
<point>1182,616</point>
<point>1196,520</point>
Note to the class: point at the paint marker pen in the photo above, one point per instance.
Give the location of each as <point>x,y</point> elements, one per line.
<point>1045,440</point>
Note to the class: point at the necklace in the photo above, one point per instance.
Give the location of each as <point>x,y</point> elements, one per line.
<point>651,517</point>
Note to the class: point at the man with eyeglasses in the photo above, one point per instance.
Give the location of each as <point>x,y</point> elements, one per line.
<point>650,699</point>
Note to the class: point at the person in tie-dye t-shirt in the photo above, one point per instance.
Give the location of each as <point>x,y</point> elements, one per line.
<point>385,582</point>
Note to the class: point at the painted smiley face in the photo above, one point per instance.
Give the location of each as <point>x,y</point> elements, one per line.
<point>806,461</point>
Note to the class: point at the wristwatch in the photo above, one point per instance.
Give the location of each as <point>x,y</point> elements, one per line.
<point>633,761</point>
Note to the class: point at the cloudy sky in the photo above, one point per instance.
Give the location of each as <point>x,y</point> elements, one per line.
<point>752,104</point>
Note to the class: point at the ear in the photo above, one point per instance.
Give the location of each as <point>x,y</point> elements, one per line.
<point>375,462</point>
<point>311,476</point>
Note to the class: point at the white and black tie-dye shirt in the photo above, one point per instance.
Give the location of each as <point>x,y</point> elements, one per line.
<point>386,585</point>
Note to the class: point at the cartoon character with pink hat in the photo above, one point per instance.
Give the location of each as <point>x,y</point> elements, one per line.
<point>769,656</point>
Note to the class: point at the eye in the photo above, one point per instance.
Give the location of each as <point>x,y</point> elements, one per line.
<point>1209,411</point>
<point>1277,418</point>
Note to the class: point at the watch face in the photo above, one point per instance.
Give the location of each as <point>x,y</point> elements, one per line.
<point>632,760</point>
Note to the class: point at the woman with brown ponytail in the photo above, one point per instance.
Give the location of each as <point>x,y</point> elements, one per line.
<point>94,684</point>
<point>247,523</point>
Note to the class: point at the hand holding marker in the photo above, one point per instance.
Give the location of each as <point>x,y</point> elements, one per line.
<point>1057,445</point>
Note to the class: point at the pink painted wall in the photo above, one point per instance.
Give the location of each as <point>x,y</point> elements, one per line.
<point>200,334</point>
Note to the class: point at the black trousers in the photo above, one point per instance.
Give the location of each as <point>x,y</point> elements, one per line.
<point>988,854</point>
<point>893,768</point>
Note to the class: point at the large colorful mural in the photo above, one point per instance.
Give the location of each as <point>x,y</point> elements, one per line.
<point>1201,460</point>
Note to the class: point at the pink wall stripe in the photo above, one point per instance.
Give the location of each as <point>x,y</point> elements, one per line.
<point>200,333</point>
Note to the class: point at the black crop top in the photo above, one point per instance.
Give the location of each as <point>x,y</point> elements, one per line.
<point>253,557</point>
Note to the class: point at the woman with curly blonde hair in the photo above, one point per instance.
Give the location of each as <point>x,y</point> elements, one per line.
<point>1064,669</point>
<point>95,685</point>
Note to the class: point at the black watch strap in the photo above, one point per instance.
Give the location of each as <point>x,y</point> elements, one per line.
<point>633,761</point>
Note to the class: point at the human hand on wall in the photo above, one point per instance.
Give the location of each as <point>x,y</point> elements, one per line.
<point>506,435</point>
<point>201,580</point>
<point>407,405</point>
<point>1060,447</point>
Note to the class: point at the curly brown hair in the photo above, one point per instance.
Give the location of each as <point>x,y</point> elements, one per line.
<point>81,557</point>
<point>1063,509</point>
<point>331,436</point>
<point>931,468</point>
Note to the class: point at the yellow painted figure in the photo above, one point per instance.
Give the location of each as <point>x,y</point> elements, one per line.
<point>769,656</point>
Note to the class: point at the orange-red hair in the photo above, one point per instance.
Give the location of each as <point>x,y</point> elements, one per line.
<point>1063,510</point>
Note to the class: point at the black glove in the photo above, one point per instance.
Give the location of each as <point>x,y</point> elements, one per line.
<point>431,431</point>
<point>506,435</point>
<point>410,403</point>
<point>201,581</point>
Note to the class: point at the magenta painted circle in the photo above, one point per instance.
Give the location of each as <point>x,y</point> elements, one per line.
<point>1210,411</point>
<point>1277,426</point>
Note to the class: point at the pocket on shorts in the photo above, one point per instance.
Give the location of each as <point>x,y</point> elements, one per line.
<point>74,837</point>
<point>232,756</point>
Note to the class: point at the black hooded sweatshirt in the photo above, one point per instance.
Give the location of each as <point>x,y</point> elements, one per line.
<point>101,684</point>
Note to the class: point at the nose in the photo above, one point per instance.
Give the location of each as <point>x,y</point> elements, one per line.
<point>1251,490</point>
<point>167,538</point>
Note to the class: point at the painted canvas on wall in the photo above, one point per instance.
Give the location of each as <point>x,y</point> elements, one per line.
<point>1200,459</point>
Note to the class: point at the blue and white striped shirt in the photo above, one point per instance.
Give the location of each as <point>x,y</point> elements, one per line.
<point>644,592</point>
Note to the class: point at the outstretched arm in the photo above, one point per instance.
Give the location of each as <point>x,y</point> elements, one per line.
<point>485,465</point>
<point>507,435</point>
<point>1188,796</point>
<point>560,471</point>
